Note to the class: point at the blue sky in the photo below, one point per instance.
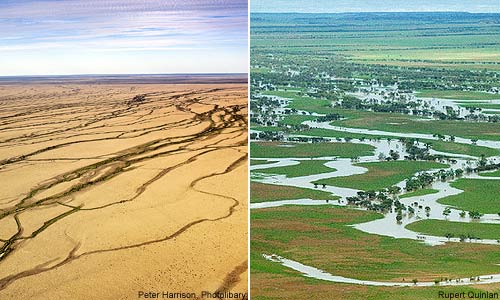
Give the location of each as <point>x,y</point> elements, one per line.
<point>338,6</point>
<point>49,37</point>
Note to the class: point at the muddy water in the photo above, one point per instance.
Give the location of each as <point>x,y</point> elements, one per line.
<point>326,125</point>
<point>388,225</point>
<point>313,272</point>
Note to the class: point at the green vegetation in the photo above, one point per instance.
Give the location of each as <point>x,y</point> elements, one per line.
<point>466,149</point>
<point>306,167</point>
<point>410,124</point>
<point>320,132</point>
<point>490,174</point>
<point>261,192</point>
<point>296,119</point>
<point>307,234</point>
<point>283,150</point>
<point>421,192</point>
<point>456,229</point>
<point>479,195</point>
<point>480,105</point>
<point>457,95</point>
<point>381,175</point>
<point>317,61</point>
<point>254,162</point>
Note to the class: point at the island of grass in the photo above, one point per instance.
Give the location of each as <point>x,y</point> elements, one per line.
<point>399,123</point>
<point>456,148</point>
<point>304,168</point>
<point>480,105</point>
<point>261,192</point>
<point>457,95</point>
<point>303,150</point>
<point>456,229</point>
<point>479,195</point>
<point>382,175</point>
<point>295,120</point>
<point>392,122</point>
<point>308,235</point>
<point>490,174</point>
<point>254,162</point>
<point>421,192</point>
<point>438,145</point>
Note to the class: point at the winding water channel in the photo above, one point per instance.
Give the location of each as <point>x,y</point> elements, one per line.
<point>387,226</point>
<point>313,272</point>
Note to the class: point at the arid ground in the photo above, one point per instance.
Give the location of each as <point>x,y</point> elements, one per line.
<point>110,189</point>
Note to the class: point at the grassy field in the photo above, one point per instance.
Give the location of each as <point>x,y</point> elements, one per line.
<point>457,148</point>
<point>308,235</point>
<point>296,287</point>
<point>421,192</point>
<point>295,120</point>
<point>283,150</point>
<point>254,162</point>
<point>490,174</point>
<point>457,95</point>
<point>381,174</point>
<point>441,228</point>
<point>260,192</point>
<point>306,167</point>
<point>479,195</point>
<point>427,52</point>
<point>389,121</point>
<point>480,105</point>
<point>409,124</point>
<point>443,146</point>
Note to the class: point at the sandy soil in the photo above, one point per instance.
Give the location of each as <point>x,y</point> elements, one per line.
<point>113,189</point>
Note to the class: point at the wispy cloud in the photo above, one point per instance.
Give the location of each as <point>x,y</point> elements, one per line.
<point>45,27</point>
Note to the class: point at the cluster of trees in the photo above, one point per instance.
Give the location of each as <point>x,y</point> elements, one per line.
<point>425,179</point>
<point>330,117</point>
<point>374,200</point>
<point>267,136</point>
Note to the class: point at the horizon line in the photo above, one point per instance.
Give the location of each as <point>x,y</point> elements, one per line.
<point>123,74</point>
<point>375,12</point>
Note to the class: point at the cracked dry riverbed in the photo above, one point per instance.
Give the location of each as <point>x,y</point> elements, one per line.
<point>111,189</point>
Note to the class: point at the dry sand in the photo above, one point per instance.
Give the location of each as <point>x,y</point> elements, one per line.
<point>104,196</point>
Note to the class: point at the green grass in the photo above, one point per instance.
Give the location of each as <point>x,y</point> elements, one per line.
<point>308,235</point>
<point>457,95</point>
<point>466,149</point>
<point>397,123</point>
<point>295,120</point>
<point>479,195</point>
<point>303,102</point>
<point>306,167</point>
<point>261,192</point>
<point>421,192</point>
<point>254,162</point>
<point>490,174</point>
<point>491,112</point>
<point>444,146</point>
<point>277,150</point>
<point>442,228</point>
<point>389,121</point>
<point>266,128</point>
<point>381,174</point>
<point>410,124</point>
<point>480,105</point>
<point>320,132</point>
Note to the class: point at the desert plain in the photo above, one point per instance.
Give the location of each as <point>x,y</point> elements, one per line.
<point>111,188</point>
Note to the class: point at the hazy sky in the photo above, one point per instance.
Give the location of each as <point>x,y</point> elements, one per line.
<point>337,6</point>
<point>39,37</point>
